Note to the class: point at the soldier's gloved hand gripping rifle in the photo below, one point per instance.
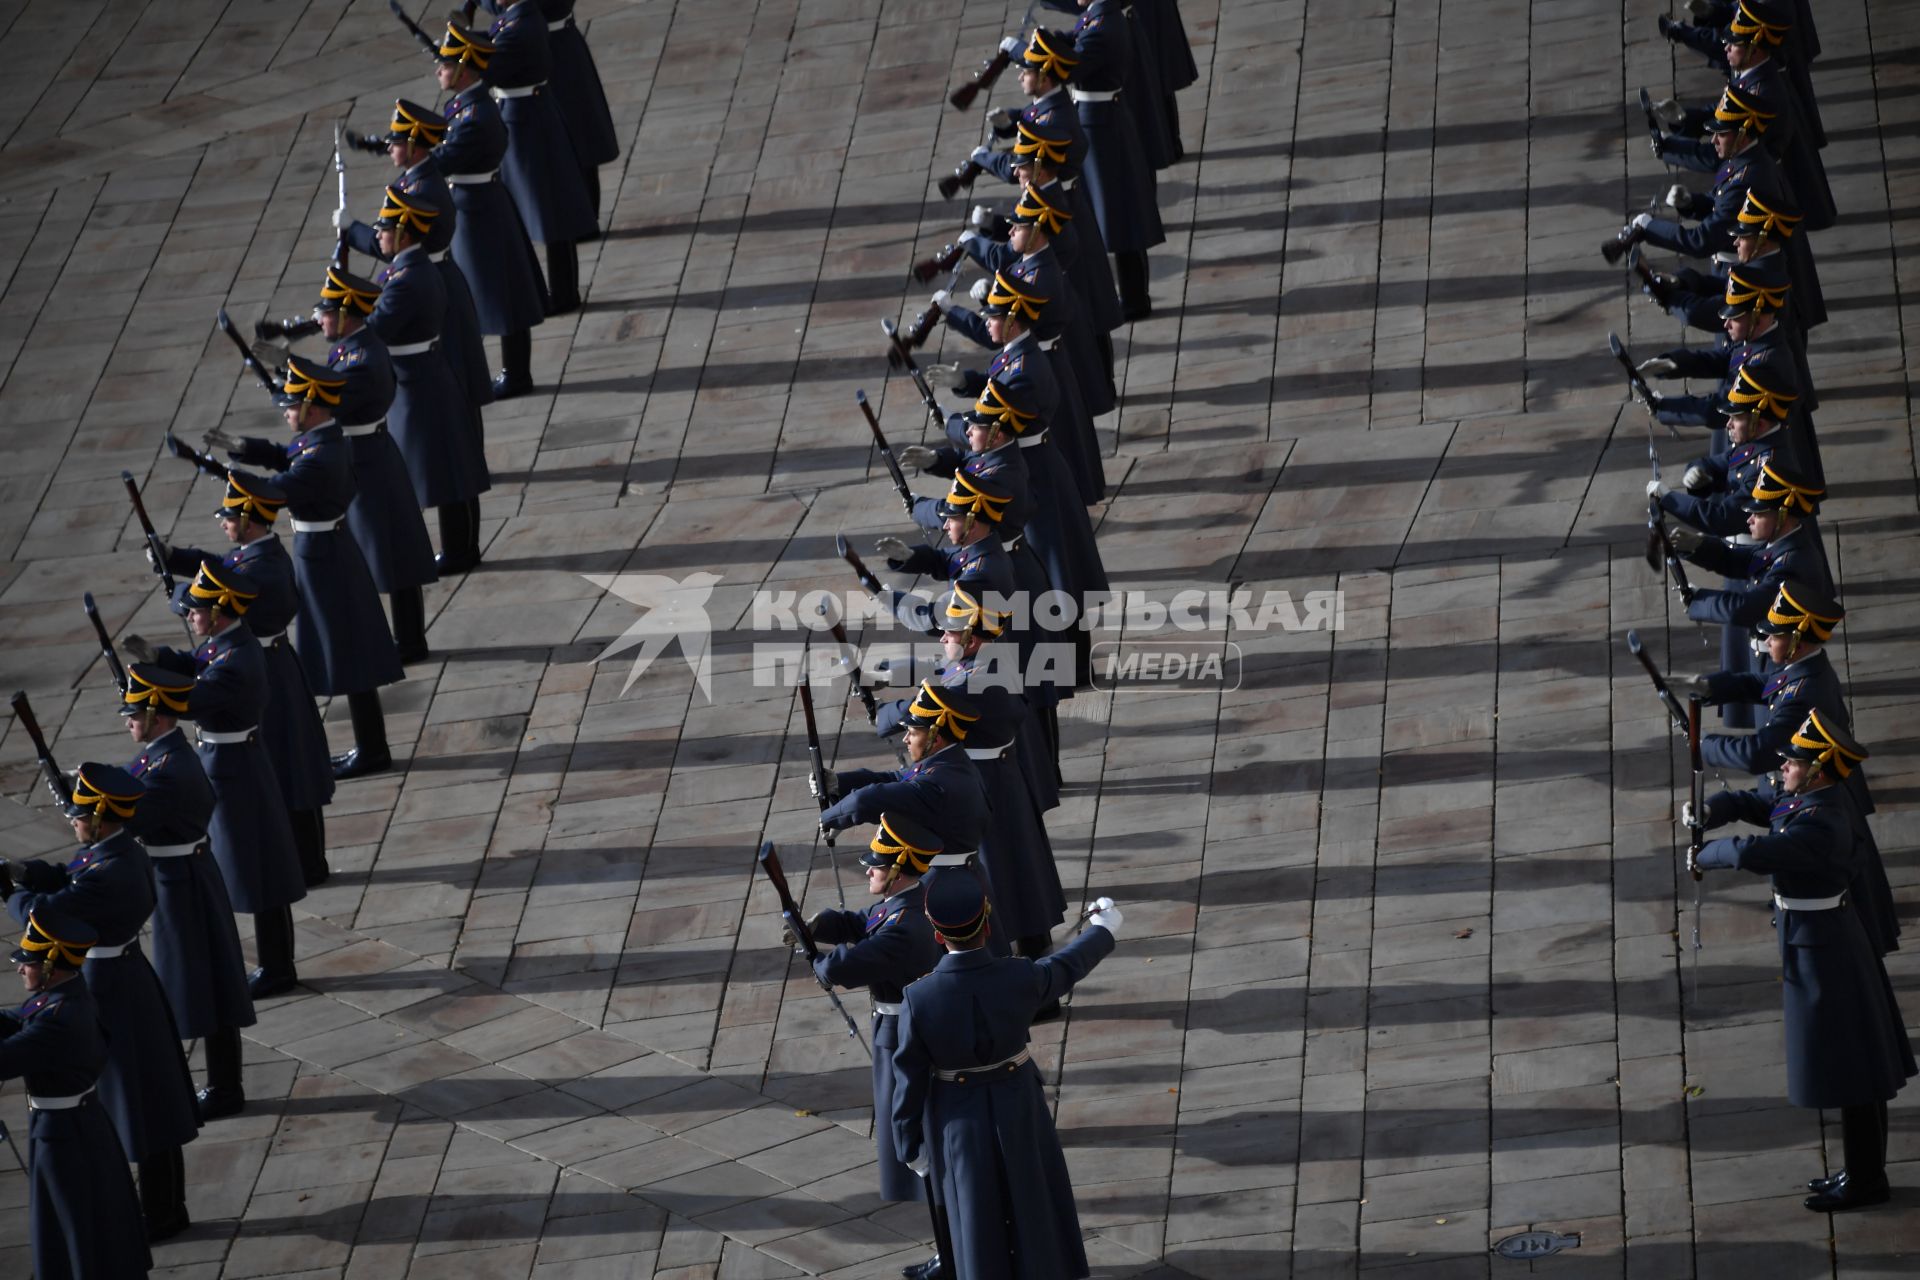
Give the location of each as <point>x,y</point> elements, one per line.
<point>769,860</point>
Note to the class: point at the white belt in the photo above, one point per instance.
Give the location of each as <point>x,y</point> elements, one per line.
<point>107,953</point>
<point>171,850</point>
<point>225,737</point>
<point>412,348</point>
<point>986,753</point>
<point>470,179</point>
<point>440,256</point>
<point>951,860</point>
<point>270,639</point>
<point>523,91</point>
<point>1808,904</point>
<point>1033,438</point>
<point>315,526</point>
<point>886,1007</point>
<point>58,1104</point>
<point>1086,95</point>
<point>1068,184</point>
<point>1048,344</point>
<point>1016,1060</point>
<point>367,430</point>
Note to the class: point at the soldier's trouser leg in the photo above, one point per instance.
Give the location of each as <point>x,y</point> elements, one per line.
<point>563,278</point>
<point>163,1194</point>
<point>409,606</point>
<point>369,726</point>
<point>1130,276</point>
<point>590,174</point>
<point>273,939</point>
<point>1103,343</point>
<point>223,1062</point>
<point>1173,128</point>
<point>1863,1135</point>
<point>310,843</point>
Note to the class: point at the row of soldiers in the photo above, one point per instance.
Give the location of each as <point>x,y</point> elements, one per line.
<point>1748,510</point>
<point>188,833</point>
<point>957,950</point>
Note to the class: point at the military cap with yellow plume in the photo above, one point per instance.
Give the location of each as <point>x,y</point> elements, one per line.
<point>1757,288</point>
<point>309,382</point>
<point>1012,407</point>
<point>964,610</point>
<point>220,588</point>
<point>344,291</point>
<point>398,210</point>
<point>1043,135</point>
<point>1013,293</point>
<point>975,497</point>
<point>1824,741</point>
<point>1758,23</point>
<point>903,844</point>
<point>1766,215</point>
<point>465,45</point>
<point>1777,488</point>
<point>1802,611</point>
<point>1050,53</point>
<point>55,939</point>
<point>1766,384</point>
<point>948,712</point>
<point>250,498</point>
<point>1739,113</point>
<point>154,690</point>
<point>415,125</point>
<point>1035,210</point>
<point>104,791</point>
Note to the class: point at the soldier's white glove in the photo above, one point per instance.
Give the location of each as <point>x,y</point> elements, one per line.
<point>950,376</point>
<point>1641,221</point>
<point>813,787</point>
<point>1658,489</point>
<point>1012,45</point>
<point>153,559</point>
<point>1001,118</point>
<point>920,1164</point>
<point>1697,479</point>
<point>1102,912</point>
<point>970,234</point>
<point>981,218</point>
<point>982,157</point>
<point>1669,111</point>
<point>892,548</point>
<point>1657,367</point>
<point>1678,198</point>
<point>139,648</point>
<point>918,456</point>
<point>942,300</point>
<point>979,291</point>
<point>342,219</point>
<point>1685,541</point>
<point>215,438</point>
<point>1688,818</point>
<point>1698,686</point>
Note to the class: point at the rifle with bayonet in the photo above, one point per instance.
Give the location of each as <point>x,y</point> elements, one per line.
<point>989,71</point>
<point>1660,687</point>
<point>769,860</point>
<point>253,362</point>
<point>114,669</point>
<point>202,461</point>
<point>900,355</point>
<point>886,453</point>
<point>839,632</point>
<point>860,570</point>
<point>427,42</point>
<point>1654,132</point>
<point>156,548</point>
<point>56,781</point>
<point>821,779</point>
<point>946,260</point>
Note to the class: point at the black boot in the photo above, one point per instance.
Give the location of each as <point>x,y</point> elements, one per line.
<point>1863,1134</point>
<point>273,940</point>
<point>563,278</point>
<point>516,365</point>
<point>934,1268</point>
<point>163,1194</point>
<point>370,753</point>
<point>310,843</point>
<point>225,1094</point>
<point>457,538</point>
<point>1130,276</point>
<point>409,607</point>
<point>473,531</point>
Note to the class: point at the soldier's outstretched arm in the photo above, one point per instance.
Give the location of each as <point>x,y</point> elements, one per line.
<point>1816,843</point>
<point>872,959</point>
<point>1057,974</point>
